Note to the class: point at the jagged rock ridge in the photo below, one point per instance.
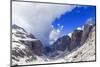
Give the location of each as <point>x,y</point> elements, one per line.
<point>68,44</point>
<point>86,52</point>
<point>79,47</point>
<point>25,47</point>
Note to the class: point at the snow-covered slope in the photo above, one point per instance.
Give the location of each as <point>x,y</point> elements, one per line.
<point>86,52</point>
<point>25,47</point>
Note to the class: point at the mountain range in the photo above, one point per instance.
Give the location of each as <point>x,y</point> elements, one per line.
<point>27,49</point>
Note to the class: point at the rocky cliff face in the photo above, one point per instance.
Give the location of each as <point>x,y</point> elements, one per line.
<point>62,43</point>
<point>86,31</point>
<point>79,47</point>
<point>75,39</point>
<point>86,52</point>
<point>69,44</point>
<point>25,47</point>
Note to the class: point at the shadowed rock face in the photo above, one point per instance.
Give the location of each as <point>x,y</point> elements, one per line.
<point>75,39</point>
<point>62,43</point>
<point>86,52</point>
<point>37,48</point>
<point>24,45</point>
<point>86,31</point>
<point>68,44</point>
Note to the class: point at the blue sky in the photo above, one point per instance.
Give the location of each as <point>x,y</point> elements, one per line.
<point>76,18</point>
<point>44,21</point>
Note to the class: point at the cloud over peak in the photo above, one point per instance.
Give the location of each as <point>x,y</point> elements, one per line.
<point>37,18</point>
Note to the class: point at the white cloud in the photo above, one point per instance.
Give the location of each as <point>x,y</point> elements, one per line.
<point>62,26</point>
<point>54,35</point>
<point>79,28</point>
<point>90,20</point>
<point>58,24</point>
<point>83,27</point>
<point>70,34</point>
<point>38,17</point>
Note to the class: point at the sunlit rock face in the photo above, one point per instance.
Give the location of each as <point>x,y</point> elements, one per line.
<point>86,52</point>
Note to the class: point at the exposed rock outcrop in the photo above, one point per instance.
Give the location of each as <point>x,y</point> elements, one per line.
<point>86,52</point>
<point>25,47</point>
<point>79,47</point>
<point>86,31</point>
<point>75,39</point>
<point>62,43</point>
<point>70,44</point>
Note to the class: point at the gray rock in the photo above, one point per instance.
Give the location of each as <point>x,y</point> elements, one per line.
<point>24,45</point>
<point>86,31</point>
<point>62,43</point>
<point>75,39</point>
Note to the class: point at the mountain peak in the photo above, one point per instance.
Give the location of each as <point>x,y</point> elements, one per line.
<point>14,26</point>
